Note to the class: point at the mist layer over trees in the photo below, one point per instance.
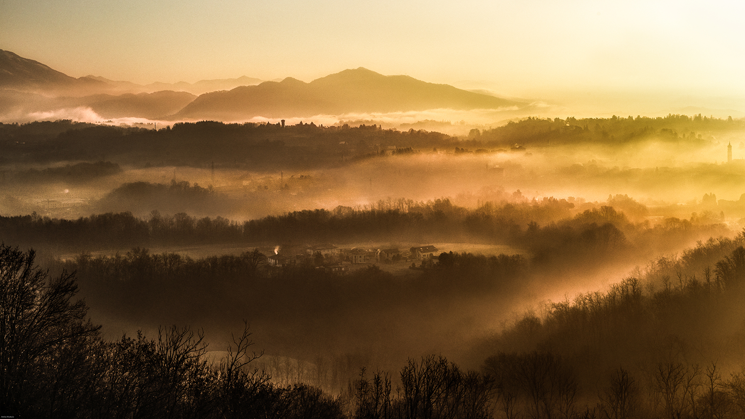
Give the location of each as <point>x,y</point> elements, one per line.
<point>618,295</point>
<point>67,170</point>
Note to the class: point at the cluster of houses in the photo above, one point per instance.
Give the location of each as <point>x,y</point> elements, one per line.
<point>335,258</point>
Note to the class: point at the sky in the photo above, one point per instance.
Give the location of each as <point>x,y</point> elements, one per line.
<point>525,48</point>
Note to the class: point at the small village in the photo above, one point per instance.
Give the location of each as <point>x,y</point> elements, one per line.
<point>335,259</point>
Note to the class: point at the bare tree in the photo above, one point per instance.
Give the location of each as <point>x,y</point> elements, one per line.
<point>435,388</point>
<point>736,388</point>
<point>715,403</point>
<point>180,366</point>
<point>677,384</point>
<point>373,397</point>
<point>253,260</point>
<point>39,326</point>
<point>540,381</point>
<point>619,401</point>
<point>506,382</point>
<point>241,389</point>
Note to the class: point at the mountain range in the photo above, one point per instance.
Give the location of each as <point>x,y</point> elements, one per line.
<point>29,88</point>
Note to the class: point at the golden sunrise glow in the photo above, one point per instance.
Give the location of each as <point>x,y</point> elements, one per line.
<point>653,53</point>
<point>500,209</point>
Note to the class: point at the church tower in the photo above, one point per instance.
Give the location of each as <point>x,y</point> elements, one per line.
<point>729,153</point>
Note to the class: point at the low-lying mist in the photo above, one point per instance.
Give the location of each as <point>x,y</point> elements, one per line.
<point>306,310</point>
<point>451,305</point>
<point>669,178</point>
<point>561,240</point>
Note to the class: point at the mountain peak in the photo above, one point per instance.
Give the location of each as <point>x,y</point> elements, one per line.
<point>355,75</point>
<point>291,81</point>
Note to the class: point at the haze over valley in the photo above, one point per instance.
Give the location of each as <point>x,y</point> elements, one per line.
<point>325,210</point>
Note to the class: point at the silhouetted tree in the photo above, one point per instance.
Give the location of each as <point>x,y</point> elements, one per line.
<point>676,383</point>
<point>44,339</point>
<point>731,270</point>
<point>620,399</point>
<point>435,388</point>
<point>373,397</point>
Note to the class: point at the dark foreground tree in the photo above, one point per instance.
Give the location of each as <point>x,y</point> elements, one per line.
<point>45,362</point>
<point>430,389</point>
<point>54,364</point>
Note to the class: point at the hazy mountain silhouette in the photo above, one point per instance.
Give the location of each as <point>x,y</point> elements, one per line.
<point>21,73</point>
<point>143,105</point>
<point>349,91</point>
<point>25,106</point>
<point>198,88</point>
<point>28,88</point>
<point>205,86</point>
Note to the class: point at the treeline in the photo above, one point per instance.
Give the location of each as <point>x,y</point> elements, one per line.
<point>550,229</point>
<point>70,173</point>
<point>295,303</point>
<point>667,343</point>
<point>431,388</point>
<point>268,146</point>
<point>437,220</point>
<point>609,131</point>
<point>174,197</point>
<point>252,146</point>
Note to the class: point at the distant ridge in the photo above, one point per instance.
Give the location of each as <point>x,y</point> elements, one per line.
<point>28,88</point>
<point>198,88</point>
<point>27,75</point>
<point>205,86</point>
<point>22,73</point>
<point>143,105</point>
<point>350,91</point>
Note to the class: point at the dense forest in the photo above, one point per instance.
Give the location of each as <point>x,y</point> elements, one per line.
<point>549,229</point>
<point>665,344</point>
<point>254,146</point>
<point>248,171</point>
<point>270,146</point>
<point>610,131</point>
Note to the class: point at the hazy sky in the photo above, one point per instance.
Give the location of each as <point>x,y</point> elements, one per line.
<point>517,48</point>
